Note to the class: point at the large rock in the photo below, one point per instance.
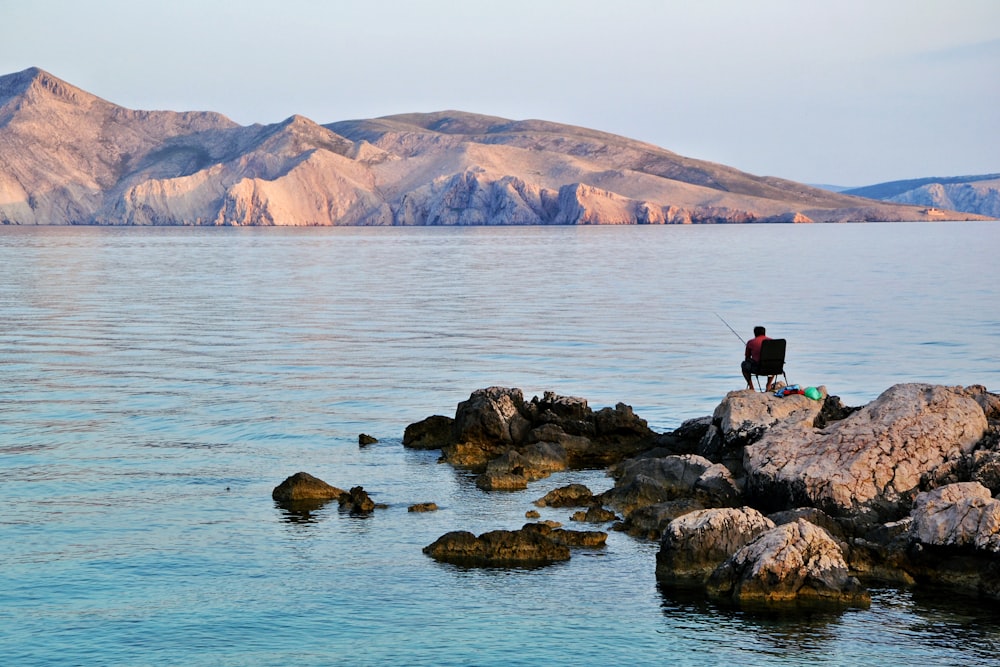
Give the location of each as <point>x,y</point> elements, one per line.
<point>677,474</point>
<point>796,561</point>
<point>959,515</point>
<point>743,417</point>
<point>486,425</point>
<point>695,544</point>
<point>303,487</point>
<point>646,481</point>
<point>869,465</point>
<point>954,534</point>
<point>497,419</point>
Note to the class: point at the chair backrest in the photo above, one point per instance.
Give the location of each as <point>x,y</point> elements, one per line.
<point>772,357</point>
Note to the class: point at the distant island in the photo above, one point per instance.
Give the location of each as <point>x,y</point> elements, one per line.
<point>71,158</point>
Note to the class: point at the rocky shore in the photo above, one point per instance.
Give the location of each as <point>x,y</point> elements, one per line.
<point>768,500</point>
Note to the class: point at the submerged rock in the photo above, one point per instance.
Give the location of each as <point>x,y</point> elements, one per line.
<point>594,514</point>
<point>422,507</point>
<point>357,501</point>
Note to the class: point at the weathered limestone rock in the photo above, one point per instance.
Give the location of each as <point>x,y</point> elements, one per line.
<point>990,403</point>
<point>744,416</point>
<point>868,465</point>
<point>814,516</point>
<point>695,544</point>
<point>364,440</point>
<point>796,561</point>
<point>954,536</point>
<point>304,487</point>
<point>435,432</point>
<point>497,548</point>
<point>960,515</point>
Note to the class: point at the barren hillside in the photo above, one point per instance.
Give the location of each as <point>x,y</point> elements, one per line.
<point>69,157</point>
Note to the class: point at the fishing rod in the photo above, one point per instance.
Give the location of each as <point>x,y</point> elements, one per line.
<point>730,328</point>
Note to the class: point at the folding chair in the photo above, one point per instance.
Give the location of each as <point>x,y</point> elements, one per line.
<point>772,360</point>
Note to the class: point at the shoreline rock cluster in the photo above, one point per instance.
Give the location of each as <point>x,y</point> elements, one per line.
<point>770,500</point>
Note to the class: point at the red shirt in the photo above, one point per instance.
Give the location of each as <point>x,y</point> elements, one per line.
<point>753,347</point>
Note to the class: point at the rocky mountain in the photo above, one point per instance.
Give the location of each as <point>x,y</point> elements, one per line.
<point>971,194</point>
<point>69,157</point>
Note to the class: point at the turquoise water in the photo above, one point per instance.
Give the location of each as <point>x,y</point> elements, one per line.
<point>156,384</point>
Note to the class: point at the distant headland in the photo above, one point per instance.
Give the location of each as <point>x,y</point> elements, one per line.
<point>71,158</point>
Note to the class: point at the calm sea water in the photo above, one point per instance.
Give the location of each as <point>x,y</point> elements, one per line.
<point>156,384</point>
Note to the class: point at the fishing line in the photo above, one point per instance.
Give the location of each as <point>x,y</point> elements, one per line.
<point>730,328</point>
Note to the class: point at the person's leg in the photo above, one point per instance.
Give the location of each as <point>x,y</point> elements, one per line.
<point>745,366</point>
<point>770,383</point>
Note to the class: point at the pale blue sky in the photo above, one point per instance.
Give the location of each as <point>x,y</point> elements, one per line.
<point>848,92</point>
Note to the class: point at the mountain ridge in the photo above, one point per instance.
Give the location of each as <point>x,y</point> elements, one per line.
<point>972,194</point>
<point>71,157</point>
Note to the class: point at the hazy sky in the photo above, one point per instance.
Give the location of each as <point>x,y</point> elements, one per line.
<point>847,92</point>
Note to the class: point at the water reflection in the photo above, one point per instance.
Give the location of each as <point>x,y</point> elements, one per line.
<point>301,511</point>
<point>780,628</point>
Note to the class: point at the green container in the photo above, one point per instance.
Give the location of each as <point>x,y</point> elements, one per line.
<point>813,393</point>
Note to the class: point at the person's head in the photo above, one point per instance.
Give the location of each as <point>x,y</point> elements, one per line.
<point>758,331</point>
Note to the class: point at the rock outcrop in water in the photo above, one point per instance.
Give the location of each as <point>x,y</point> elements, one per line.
<point>497,433</point>
<point>532,545</point>
<point>73,158</point>
<point>304,487</point>
<point>776,499</point>
<point>303,492</point>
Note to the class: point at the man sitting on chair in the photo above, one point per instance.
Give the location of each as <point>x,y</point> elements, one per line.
<point>752,358</point>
